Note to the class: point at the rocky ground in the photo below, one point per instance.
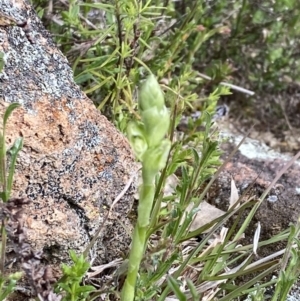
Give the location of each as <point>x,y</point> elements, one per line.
<point>275,139</point>
<point>275,117</point>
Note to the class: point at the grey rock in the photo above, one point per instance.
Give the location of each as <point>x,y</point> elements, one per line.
<point>74,163</point>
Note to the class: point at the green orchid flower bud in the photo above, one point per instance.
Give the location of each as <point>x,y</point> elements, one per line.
<point>156,125</point>
<point>151,95</point>
<point>137,139</point>
<point>155,159</point>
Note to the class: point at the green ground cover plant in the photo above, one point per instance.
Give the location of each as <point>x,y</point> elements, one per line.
<point>113,46</point>
<point>7,282</point>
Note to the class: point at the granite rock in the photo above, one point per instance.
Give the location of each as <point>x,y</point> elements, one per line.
<point>74,163</point>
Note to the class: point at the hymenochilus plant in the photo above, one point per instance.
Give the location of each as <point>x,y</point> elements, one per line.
<point>150,146</point>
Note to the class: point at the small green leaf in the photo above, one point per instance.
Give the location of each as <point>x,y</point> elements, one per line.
<point>85,289</point>
<point>40,13</point>
<point>73,256</point>
<point>8,112</point>
<point>65,287</point>
<point>172,283</point>
<point>13,151</point>
<point>193,290</point>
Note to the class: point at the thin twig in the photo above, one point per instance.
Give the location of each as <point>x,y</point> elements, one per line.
<point>267,258</point>
<point>233,87</point>
<point>278,176</point>
<point>117,199</point>
<point>286,117</point>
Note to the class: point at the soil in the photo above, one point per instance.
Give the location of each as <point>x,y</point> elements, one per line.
<point>275,118</point>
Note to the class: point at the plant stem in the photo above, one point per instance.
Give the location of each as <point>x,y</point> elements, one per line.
<point>3,164</point>
<point>136,254</point>
<point>3,245</point>
<point>4,199</point>
<point>139,239</point>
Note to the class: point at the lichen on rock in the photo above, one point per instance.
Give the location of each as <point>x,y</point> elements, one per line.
<point>74,163</point>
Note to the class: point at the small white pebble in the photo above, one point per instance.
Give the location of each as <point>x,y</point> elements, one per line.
<point>272,198</point>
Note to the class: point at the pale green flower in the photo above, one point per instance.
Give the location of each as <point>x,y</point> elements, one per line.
<point>151,95</point>
<point>137,139</point>
<point>156,124</point>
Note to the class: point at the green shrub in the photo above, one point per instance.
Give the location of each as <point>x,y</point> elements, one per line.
<point>260,42</point>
